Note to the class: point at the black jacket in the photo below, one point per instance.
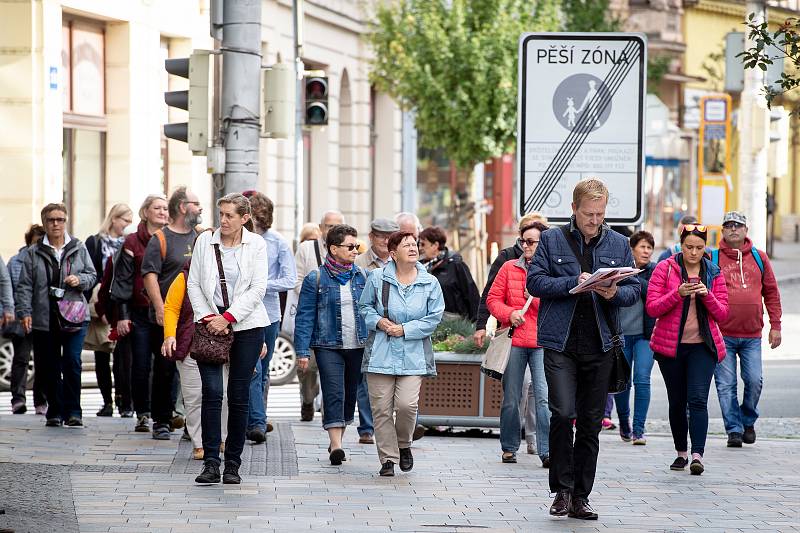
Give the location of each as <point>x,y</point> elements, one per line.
<point>644,281</point>
<point>460,292</point>
<point>506,254</point>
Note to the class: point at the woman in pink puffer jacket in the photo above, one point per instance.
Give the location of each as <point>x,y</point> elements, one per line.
<point>688,298</point>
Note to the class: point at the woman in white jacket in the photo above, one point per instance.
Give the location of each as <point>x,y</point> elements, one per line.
<point>244,260</point>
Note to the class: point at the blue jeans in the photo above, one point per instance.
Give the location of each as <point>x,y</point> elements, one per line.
<point>339,374</point>
<point>738,417</point>
<point>244,355</point>
<point>687,377</point>
<point>512,393</point>
<point>60,354</point>
<point>257,417</point>
<point>365,426</point>
<point>640,358</point>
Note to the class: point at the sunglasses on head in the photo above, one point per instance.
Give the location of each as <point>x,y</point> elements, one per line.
<point>688,228</point>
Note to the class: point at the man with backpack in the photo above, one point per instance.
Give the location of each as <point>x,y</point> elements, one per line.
<point>749,279</point>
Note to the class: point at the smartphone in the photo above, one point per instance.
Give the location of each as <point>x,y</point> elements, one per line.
<point>694,279</point>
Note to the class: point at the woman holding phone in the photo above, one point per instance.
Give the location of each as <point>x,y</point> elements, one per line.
<point>688,298</point>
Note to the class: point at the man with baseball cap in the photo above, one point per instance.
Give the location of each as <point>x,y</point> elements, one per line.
<point>750,280</point>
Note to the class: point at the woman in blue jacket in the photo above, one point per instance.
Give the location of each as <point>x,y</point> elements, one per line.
<point>402,304</point>
<point>328,320</point>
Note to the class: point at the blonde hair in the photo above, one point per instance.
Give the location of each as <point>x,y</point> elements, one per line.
<point>530,218</point>
<point>147,203</point>
<point>242,205</point>
<point>116,211</point>
<point>589,189</point>
<point>309,232</point>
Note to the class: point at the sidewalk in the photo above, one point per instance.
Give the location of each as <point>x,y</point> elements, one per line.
<point>111,479</point>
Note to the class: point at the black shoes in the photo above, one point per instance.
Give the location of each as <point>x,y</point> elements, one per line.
<point>106,410</point>
<point>307,412</point>
<point>126,414</point>
<point>142,424</point>
<point>387,469</point>
<point>509,457</point>
<point>582,510</point>
<point>406,459</point>
<point>749,436</point>
<point>679,463</point>
<point>545,462</point>
<point>562,503</point>
<point>257,436</point>
<point>336,456</point>
<point>209,475</point>
<point>161,431</point>
<point>74,422</point>
<point>735,439</point>
<point>696,468</point>
<point>54,423</point>
<point>231,475</point>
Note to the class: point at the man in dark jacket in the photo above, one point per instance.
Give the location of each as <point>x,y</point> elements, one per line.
<point>577,339</point>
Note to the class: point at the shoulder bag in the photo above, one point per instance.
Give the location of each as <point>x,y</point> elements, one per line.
<point>207,347</point>
<point>70,305</point>
<point>620,369</point>
<point>495,360</point>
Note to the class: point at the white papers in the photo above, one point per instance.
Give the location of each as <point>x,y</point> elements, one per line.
<point>605,277</point>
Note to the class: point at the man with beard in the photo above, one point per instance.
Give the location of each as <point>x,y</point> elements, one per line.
<point>164,258</point>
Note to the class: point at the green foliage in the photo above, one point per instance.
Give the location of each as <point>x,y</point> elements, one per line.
<point>657,66</point>
<point>456,336</point>
<point>781,45</point>
<point>454,62</point>
<point>714,67</point>
<point>448,328</point>
<point>589,15</point>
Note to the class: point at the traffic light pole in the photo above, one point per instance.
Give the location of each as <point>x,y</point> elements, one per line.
<point>299,182</point>
<point>241,92</point>
<point>753,143</point>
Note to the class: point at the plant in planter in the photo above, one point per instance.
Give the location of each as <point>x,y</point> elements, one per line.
<point>456,336</point>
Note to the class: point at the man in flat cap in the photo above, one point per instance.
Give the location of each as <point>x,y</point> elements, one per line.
<point>750,280</point>
<point>377,256</point>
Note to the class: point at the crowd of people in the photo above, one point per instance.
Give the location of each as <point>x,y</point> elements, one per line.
<point>186,321</point>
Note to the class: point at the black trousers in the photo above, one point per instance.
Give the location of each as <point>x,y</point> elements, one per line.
<point>102,371</point>
<point>577,389</point>
<point>19,372</point>
<point>122,374</point>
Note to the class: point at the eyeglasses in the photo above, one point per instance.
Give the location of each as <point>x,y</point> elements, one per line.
<point>688,228</point>
<point>733,225</point>
<point>58,220</point>
<point>193,203</point>
<point>527,242</point>
<point>350,247</point>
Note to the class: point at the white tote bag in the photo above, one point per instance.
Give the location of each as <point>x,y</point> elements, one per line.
<point>495,359</point>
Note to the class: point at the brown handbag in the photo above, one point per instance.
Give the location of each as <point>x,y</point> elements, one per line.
<point>207,347</point>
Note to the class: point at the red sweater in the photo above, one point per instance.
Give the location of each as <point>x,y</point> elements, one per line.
<point>746,290</point>
<point>508,294</point>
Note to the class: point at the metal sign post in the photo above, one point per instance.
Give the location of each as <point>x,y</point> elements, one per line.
<point>581,114</point>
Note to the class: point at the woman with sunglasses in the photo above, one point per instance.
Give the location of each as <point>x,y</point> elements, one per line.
<point>688,299</point>
<point>506,299</point>
<point>328,321</point>
<point>400,353</point>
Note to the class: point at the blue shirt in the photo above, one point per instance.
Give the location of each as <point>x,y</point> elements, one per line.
<point>282,273</point>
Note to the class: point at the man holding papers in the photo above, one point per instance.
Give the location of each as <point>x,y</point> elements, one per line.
<point>574,331</point>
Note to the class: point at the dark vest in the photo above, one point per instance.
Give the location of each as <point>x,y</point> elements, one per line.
<point>183,335</point>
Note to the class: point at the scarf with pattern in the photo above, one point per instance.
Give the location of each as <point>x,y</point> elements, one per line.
<point>338,271</point>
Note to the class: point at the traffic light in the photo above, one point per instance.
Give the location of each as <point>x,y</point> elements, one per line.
<point>316,100</point>
<point>194,132</point>
<point>279,101</point>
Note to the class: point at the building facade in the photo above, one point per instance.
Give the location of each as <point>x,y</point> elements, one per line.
<point>81,99</point>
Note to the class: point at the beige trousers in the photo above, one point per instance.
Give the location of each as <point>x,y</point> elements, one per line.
<point>192,391</point>
<point>394,401</point>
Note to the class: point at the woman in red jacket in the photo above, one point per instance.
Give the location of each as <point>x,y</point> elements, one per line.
<point>505,301</point>
<point>688,298</point>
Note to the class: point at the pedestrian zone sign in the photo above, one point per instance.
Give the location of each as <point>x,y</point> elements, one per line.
<point>581,114</point>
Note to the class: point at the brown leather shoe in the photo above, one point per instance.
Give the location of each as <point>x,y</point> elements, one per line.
<point>307,412</point>
<point>366,438</point>
<point>581,509</point>
<point>562,503</point>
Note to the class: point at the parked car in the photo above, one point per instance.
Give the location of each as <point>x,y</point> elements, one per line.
<point>283,367</point>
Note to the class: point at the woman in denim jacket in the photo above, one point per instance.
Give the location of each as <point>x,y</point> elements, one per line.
<point>400,353</point>
<point>328,320</point>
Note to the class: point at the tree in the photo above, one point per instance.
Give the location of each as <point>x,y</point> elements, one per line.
<point>781,45</point>
<point>454,62</point>
<point>589,15</point>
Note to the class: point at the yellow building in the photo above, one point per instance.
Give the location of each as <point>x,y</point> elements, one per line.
<point>706,23</point>
<point>82,110</point>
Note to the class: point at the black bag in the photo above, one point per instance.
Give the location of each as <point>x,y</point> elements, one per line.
<point>620,369</point>
<point>207,347</point>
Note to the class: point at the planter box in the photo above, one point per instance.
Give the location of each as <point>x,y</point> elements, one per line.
<point>461,395</point>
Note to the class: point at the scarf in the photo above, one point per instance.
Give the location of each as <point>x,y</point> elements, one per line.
<point>341,273</point>
<point>436,262</point>
<point>108,247</point>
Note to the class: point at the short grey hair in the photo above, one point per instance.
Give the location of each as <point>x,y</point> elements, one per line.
<point>331,212</point>
<point>400,217</point>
